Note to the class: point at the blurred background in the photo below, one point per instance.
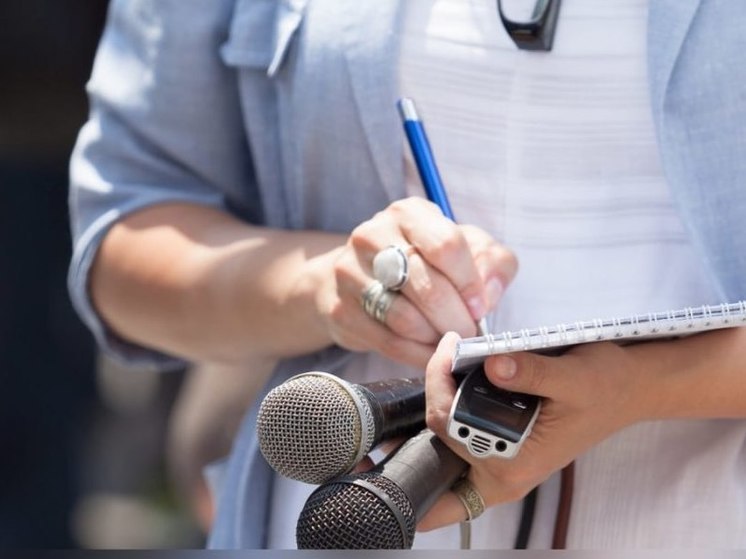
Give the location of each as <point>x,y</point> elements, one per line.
<point>82,442</point>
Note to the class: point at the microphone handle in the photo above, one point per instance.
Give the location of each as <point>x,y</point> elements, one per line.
<point>424,468</point>
<point>397,405</point>
<point>380,508</point>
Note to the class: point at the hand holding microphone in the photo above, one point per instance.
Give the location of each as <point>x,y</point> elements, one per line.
<point>316,426</point>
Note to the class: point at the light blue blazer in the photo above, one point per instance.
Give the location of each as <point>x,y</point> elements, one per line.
<point>282,112</point>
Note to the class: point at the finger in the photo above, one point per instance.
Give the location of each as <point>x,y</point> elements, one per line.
<point>354,329</point>
<point>363,466</point>
<point>496,264</point>
<point>443,245</point>
<point>406,320</point>
<point>369,335</point>
<point>448,509</point>
<point>430,291</point>
<point>445,283</point>
<point>420,316</point>
<point>440,392</point>
<point>440,386</point>
<point>530,373</point>
<point>351,325</point>
<point>437,298</point>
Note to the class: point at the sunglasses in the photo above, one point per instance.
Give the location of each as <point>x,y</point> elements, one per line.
<point>538,32</point>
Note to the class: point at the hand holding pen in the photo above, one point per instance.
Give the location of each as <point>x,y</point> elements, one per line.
<point>427,168</point>
<point>410,273</point>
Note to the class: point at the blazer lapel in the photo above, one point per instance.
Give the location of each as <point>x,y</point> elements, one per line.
<point>371,39</point>
<point>668,25</point>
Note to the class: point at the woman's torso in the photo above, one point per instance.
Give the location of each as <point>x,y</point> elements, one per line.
<point>555,154</point>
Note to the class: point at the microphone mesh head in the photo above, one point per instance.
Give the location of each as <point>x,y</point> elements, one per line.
<point>344,515</point>
<point>311,429</point>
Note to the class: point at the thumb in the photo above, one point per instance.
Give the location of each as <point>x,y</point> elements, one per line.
<point>527,372</point>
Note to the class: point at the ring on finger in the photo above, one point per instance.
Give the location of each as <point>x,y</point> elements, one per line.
<point>391,267</point>
<point>377,301</point>
<point>469,497</point>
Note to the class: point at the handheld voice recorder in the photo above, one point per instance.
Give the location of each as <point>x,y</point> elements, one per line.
<point>488,420</point>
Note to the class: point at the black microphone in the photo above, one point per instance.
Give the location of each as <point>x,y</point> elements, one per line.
<point>316,426</point>
<point>380,509</point>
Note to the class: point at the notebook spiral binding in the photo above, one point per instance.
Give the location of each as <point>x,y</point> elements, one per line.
<point>667,323</point>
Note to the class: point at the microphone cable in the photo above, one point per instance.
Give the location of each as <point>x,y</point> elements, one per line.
<point>562,517</point>
<point>527,519</point>
<point>564,507</point>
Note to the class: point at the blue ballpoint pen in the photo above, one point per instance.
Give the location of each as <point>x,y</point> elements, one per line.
<point>423,156</point>
<point>426,167</point>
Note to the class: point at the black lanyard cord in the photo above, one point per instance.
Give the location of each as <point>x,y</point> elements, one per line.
<point>562,519</point>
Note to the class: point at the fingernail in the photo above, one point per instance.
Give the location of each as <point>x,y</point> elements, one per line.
<point>477,308</point>
<point>494,290</point>
<point>504,367</point>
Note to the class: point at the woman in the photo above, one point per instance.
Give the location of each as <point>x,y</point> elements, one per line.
<point>243,165</point>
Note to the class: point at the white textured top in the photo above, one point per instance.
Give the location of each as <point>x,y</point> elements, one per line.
<point>555,154</point>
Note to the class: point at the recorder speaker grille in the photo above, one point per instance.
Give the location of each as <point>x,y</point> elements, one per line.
<point>479,445</point>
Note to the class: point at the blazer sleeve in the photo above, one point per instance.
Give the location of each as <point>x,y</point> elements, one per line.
<point>164,126</point>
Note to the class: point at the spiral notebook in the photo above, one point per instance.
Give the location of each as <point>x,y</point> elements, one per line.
<point>553,339</point>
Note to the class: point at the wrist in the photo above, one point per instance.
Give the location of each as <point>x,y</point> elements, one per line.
<point>278,287</point>
<point>308,298</point>
<point>697,376</point>
<point>649,382</point>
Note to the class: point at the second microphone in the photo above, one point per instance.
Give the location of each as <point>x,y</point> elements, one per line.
<point>316,426</point>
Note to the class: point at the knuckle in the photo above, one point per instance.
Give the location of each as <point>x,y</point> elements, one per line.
<point>508,261</point>
<point>448,247</point>
<point>428,294</point>
<point>499,260</point>
<point>436,419</point>
<point>360,235</point>
<point>340,332</point>
<point>453,242</point>
<point>343,270</point>
<point>337,313</point>
<point>397,207</point>
<point>403,209</point>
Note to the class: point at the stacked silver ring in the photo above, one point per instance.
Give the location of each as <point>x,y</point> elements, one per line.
<point>391,270</point>
<point>377,300</point>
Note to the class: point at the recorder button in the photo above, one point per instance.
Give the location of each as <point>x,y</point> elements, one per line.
<point>520,404</point>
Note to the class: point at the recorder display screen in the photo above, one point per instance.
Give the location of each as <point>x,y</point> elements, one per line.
<point>502,413</point>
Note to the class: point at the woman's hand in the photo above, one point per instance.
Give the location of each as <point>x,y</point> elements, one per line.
<point>588,393</point>
<point>457,273</point>
<point>194,281</point>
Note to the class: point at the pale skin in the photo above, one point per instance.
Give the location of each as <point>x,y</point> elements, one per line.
<point>590,392</point>
<point>196,282</point>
